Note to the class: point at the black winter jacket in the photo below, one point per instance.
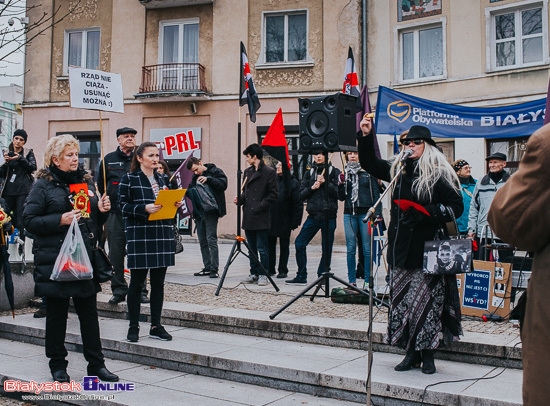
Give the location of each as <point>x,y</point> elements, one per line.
<point>45,205</point>
<point>217,181</point>
<point>407,242</point>
<point>369,193</point>
<point>22,168</point>
<point>287,212</point>
<point>117,164</point>
<point>316,198</point>
<point>259,192</point>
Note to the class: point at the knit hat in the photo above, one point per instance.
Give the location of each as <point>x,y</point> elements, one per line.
<point>22,133</point>
<point>458,165</point>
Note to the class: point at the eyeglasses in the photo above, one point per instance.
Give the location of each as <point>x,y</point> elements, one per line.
<point>408,142</point>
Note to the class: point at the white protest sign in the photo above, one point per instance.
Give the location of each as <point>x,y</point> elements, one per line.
<point>177,143</point>
<point>96,90</point>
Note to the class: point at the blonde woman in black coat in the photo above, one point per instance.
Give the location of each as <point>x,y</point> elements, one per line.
<point>150,244</point>
<point>48,214</point>
<point>424,309</point>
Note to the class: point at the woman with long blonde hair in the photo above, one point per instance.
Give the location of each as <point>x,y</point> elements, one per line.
<point>424,309</point>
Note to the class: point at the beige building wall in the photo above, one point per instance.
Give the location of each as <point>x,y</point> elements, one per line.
<point>333,25</point>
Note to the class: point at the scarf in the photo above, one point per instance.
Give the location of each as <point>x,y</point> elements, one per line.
<point>352,170</point>
<point>70,177</point>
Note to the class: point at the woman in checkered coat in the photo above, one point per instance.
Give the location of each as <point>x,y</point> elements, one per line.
<point>150,244</point>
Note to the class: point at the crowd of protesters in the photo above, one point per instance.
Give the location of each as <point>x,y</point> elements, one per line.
<point>424,308</point>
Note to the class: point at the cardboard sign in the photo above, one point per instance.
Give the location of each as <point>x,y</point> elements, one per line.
<point>96,90</point>
<point>486,289</point>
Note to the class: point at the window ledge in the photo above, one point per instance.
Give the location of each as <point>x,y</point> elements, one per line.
<point>284,65</point>
<point>512,69</point>
<point>62,78</point>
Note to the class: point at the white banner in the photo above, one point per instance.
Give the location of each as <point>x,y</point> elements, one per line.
<point>96,90</point>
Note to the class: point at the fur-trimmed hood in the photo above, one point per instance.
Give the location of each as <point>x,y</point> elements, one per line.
<point>45,173</point>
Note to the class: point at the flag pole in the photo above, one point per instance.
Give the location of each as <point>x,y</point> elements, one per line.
<point>239,174</point>
<point>102,153</point>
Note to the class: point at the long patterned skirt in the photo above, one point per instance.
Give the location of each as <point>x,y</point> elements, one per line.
<point>424,310</point>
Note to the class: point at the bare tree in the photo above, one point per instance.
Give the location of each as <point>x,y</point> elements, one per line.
<point>14,35</point>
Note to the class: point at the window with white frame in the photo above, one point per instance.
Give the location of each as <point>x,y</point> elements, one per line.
<point>422,52</point>
<point>285,37</point>
<point>82,48</point>
<point>179,54</point>
<point>517,36</point>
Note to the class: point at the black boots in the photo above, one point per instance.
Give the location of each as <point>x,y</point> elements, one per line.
<point>411,360</point>
<point>428,365</point>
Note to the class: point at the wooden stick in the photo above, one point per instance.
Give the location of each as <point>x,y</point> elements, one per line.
<point>244,183</point>
<point>102,154</point>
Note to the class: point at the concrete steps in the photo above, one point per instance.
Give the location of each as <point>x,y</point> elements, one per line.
<point>478,348</point>
<point>26,362</point>
<point>322,369</point>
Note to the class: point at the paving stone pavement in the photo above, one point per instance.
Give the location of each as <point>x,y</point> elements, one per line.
<point>182,286</point>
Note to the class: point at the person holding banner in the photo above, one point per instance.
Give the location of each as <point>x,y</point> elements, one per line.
<point>117,164</point>
<point>150,244</point>
<point>424,309</point>
<point>47,215</point>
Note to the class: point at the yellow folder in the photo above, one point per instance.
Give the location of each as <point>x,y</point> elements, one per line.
<point>167,198</point>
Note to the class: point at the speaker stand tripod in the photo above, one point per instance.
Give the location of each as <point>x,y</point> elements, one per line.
<point>236,249</point>
<point>326,276</point>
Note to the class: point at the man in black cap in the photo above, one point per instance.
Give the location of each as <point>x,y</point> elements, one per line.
<point>483,195</point>
<point>117,163</point>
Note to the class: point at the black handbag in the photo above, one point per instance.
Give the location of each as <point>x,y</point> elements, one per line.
<point>103,270</point>
<point>179,240</point>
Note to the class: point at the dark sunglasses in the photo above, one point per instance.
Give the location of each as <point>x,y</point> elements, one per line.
<point>408,142</point>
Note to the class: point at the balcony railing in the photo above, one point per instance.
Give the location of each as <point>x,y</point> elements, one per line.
<point>173,78</point>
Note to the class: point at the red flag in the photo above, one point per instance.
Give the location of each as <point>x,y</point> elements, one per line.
<point>351,83</point>
<point>275,143</point>
<point>248,94</point>
<point>183,177</point>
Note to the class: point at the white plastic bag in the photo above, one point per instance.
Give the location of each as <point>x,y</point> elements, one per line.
<point>73,262</point>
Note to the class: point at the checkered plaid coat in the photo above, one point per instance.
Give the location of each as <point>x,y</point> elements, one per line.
<point>150,244</point>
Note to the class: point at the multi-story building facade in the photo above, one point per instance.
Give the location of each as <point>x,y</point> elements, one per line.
<point>11,117</point>
<point>179,62</point>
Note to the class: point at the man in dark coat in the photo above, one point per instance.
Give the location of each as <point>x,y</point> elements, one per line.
<point>117,164</point>
<point>212,177</point>
<point>313,190</point>
<point>286,215</point>
<point>259,191</point>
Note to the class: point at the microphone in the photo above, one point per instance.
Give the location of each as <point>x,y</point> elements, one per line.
<point>406,154</point>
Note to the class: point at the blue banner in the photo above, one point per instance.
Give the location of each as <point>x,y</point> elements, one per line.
<point>397,112</point>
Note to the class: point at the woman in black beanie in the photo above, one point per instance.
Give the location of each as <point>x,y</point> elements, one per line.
<point>17,177</point>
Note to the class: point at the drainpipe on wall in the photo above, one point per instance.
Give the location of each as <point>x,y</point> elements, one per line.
<point>364,42</point>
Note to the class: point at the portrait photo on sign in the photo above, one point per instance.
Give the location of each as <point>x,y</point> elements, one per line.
<point>447,257</point>
<point>499,273</point>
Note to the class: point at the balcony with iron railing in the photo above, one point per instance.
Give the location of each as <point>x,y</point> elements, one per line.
<point>169,79</point>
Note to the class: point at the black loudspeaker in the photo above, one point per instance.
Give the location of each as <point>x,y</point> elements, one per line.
<point>327,123</point>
